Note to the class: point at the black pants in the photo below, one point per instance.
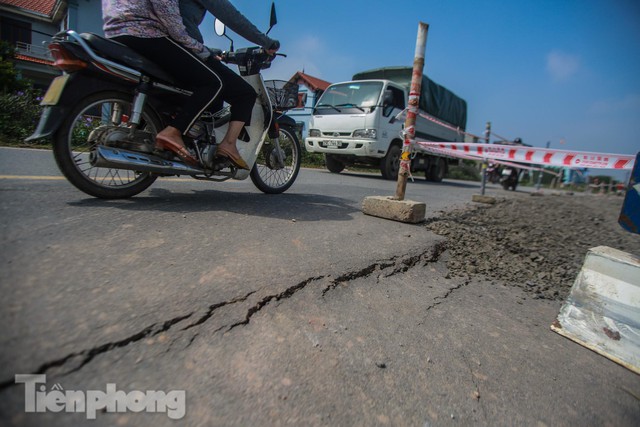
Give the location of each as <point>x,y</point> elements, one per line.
<point>208,82</point>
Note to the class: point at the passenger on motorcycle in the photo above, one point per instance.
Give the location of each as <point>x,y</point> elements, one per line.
<point>235,89</point>
<point>155,29</point>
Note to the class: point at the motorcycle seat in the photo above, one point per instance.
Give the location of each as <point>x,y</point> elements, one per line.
<point>121,53</point>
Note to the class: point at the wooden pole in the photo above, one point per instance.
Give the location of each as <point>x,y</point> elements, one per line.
<point>412,111</point>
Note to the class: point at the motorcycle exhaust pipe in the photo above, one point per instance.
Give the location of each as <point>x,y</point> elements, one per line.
<point>117,158</point>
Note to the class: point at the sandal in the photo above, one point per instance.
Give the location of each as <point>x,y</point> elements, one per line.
<point>235,159</point>
<point>177,149</point>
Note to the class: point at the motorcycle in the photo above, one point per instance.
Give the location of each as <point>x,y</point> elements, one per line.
<point>509,178</point>
<point>493,173</point>
<point>104,111</point>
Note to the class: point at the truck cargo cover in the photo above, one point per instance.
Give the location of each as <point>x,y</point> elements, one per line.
<point>434,99</point>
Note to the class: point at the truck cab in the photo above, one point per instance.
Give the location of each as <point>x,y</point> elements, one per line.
<point>356,118</point>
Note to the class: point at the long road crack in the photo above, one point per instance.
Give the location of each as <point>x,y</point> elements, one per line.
<point>86,356</point>
<point>83,357</point>
<point>386,268</point>
<point>395,265</point>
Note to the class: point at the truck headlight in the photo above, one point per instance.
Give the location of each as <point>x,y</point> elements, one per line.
<point>314,133</point>
<point>365,133</point>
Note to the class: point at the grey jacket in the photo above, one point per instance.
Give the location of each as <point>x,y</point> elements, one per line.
<point>193,12</point>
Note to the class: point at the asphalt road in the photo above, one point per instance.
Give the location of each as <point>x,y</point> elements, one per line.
<point>291,309</point>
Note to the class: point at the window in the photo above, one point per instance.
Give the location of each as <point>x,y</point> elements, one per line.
<point>398,97</point>
<point>302,99</point>
<point>15,31</point>
<point>397,102</point>
<point>349,97</point>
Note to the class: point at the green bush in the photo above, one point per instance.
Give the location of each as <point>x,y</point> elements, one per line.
<point>19,102</point>
<point>19,114</point>
<point>307,159</point>
<point>464,172</point>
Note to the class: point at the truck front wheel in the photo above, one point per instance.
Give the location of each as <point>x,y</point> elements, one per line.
<point>333,164</point>
<point>437,170</point>
<point>390,164</point>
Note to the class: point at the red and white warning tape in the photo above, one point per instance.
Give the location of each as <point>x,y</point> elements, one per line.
<point>451,153</point>
<point>532,155</point>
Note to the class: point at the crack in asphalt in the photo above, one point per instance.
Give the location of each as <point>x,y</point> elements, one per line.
<point>89,354</point>
<point>477,394</point>
<point>287,293</point>
<point>214,307</point>
<point>440,299</point>
<point>399,265</point>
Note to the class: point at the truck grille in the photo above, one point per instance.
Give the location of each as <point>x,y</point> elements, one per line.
<point>336,134</point>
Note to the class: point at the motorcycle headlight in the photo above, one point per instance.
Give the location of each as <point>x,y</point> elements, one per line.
<point>314,132</point>
<point>365,133</point>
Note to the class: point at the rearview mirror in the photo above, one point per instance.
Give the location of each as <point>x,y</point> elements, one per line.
<point>220,27</point>
<point>274,19</point>
<point>221,30</point>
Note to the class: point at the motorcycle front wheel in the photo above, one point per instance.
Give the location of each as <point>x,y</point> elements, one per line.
<point>71,146</point>
<point>268,173</point>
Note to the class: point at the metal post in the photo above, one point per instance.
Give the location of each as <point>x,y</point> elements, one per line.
<point>487,134</point>
<point>540,171</point>
<point>412,111</point>
<point>484,177</point>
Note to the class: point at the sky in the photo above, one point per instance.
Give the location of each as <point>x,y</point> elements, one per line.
<point>566,72</point>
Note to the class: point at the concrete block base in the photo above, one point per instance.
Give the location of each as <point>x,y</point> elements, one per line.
<point>483,199</point>
<point>396,210</point>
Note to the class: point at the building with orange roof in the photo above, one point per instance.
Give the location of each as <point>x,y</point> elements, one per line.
<point>29,25</point>
<point>310,89</point>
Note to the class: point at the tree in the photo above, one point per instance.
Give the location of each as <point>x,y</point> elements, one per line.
<point>9,77</point>
<point>19,101</point>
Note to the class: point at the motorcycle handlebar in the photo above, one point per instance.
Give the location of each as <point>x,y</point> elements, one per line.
<point>259,54</point>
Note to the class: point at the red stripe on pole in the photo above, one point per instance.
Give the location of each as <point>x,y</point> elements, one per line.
<point>512,154</point>
<point>479,150</point>
<point>567,159</point>
<point>547,158</point>
<point>529,155</point>
<point>466,149</point>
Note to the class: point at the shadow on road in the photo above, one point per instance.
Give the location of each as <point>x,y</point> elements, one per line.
<point>301,207</point>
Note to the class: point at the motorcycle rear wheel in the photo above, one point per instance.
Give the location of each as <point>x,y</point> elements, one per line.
<point>71,148</point>
<point>266,174</point>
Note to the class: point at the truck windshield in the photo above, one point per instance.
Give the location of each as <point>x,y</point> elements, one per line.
<point>347,97</point>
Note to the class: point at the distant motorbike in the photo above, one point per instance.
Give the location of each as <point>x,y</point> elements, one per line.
<point>509,178</point>
<point>493,173</point>
<point>104,111</point>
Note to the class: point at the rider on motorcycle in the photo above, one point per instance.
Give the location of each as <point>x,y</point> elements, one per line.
<point>155,29</point>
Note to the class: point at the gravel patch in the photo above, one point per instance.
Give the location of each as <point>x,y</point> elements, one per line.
<point>535,243</point>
